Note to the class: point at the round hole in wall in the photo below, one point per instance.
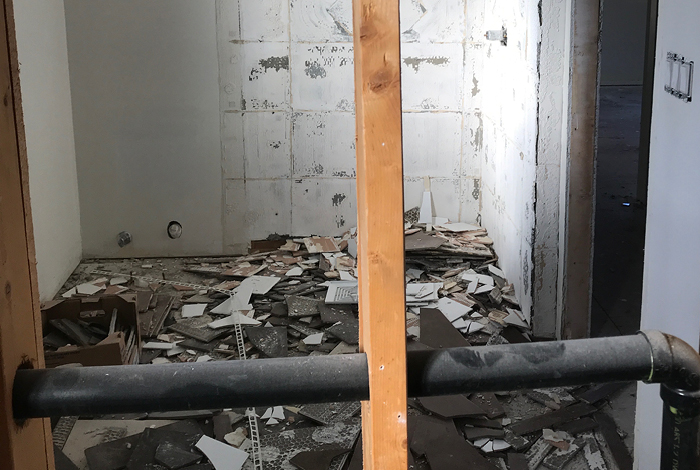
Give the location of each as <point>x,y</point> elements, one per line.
<point>174,229</point>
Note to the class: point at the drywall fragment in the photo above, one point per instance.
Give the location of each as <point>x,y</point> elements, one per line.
<point>222,456</point>
<point>193,310</point>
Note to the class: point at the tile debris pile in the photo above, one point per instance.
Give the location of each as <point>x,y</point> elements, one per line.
<point>298,297</point>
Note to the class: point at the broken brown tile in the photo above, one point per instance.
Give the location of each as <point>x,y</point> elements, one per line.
<point>451,406</point>
<point>317,459</point>
<point>488,402</point>
<point>517,462</point>
<point>321,245</point>
<point>437,332</point>
<point>422,241</point>
<point>552,419</point>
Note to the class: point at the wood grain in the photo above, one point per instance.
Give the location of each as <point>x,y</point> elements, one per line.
<point>28,445</point>
<point>380,231</point>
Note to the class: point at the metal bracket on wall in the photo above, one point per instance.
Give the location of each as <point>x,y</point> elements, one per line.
<point>680,82</point>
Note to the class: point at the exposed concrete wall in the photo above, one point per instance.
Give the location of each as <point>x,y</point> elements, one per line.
<point>552,166</point>
<point>287,106</point>
<point>48,121</point>
<point>506,82</point>
<point>144,81</point>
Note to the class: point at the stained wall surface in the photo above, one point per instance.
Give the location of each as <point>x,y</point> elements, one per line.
<point>287,107</point>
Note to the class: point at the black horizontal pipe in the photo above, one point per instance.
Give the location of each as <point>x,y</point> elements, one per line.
<point>85,391</point>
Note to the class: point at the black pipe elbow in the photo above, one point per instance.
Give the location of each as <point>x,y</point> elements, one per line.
<point>674,362</point>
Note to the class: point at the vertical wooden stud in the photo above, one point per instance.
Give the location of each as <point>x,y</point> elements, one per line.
<point>27,445</point>
<point>380,231</point>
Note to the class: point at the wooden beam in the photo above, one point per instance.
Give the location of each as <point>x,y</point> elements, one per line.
<point>28,445</point>
<point>380,231</point>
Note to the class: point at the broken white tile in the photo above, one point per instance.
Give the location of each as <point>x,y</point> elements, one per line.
<point>193,310</point>
<point>452,309</point>
<point>471,288</point>
<point>256,285</point>
<point>88,289</point>
<point>295,271</point>
<point>267,414</point>
<point>271,422</point>
<point>115,281</point>
<point>69,293</point>
<point>500,444</point>
<point>232,319</point>
<point>346,276</point>
<point>158,345</point>
<point>496,272</point>
<point>460,323</point>
<point>313,340</point>
<point>231,305</point>
<point>146,266</point>
<point>204,358</point>
<point>460,227</point>
<point>515,317</point>
<point>174,351</point>
<point>222,456</point>
<point>484,289</point>
<point>278,412</point>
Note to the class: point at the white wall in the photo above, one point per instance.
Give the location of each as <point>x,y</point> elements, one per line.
<point>144,79</point>
<point>624,31</point>
<point>505,100</point>
<point>48,121</point>
<point>671,291</point>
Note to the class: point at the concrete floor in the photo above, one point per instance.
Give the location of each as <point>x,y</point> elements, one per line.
<point>619,233</point>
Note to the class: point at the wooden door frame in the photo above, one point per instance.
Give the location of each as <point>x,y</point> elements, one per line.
<point>27,445</point>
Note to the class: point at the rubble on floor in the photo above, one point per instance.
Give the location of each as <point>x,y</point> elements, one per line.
<point>298,297</point>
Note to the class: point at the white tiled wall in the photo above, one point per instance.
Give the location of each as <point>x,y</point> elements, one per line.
<point>469,122</point>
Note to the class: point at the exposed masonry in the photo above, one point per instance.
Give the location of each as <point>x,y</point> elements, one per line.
<point>287,107</point>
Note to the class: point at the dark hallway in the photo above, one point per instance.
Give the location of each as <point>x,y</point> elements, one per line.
<point>620,218</point>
